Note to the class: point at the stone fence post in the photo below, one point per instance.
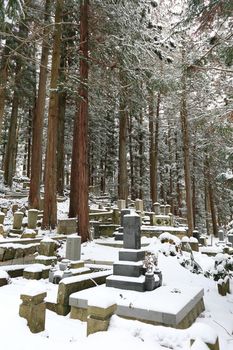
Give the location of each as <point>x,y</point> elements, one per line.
<point>33,310</point>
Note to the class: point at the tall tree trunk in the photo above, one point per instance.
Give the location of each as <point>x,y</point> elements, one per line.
<point>131,157</point>
<point>12,134</point>
<point>38,118</point>
<point>3,81</point>
<point>211,197</point>
<point>79,169</point>
<point>186,148</point>
<point>122,165</point>
<point>141,154</point>
<point>50,198</point>
<point>154,130</point>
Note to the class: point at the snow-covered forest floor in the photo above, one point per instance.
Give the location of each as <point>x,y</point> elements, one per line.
<point>65,333</point>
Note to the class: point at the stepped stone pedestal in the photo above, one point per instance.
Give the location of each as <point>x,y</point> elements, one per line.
<point>128,270</point>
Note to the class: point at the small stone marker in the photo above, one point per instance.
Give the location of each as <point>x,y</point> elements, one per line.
<point>32,218</point>
<point>167,209</point>
<point>121,204</point>
<point>162,209</point>
<point>221,235</point>
<point>33,309</point>
<point>98,318</point>
<point>2,217</point>
<point>47,247</point>
<point>156,208</point>
<point>132,231</point>
<point>139,205</point>
<point>18,219</point>
<point>73,247</point>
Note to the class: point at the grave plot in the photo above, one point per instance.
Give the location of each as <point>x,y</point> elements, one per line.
<point>135,290</point>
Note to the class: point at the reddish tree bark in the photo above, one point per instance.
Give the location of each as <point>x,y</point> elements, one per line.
<point>79,166</point>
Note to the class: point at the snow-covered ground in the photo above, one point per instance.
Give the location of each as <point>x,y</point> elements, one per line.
<point>64,333</point>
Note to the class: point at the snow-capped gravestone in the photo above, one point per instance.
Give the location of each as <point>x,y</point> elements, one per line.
<point>73,247</point>
<point>17,223</point>
<point>119,233</point>
<point>32,218</point>
<point>128,270</point>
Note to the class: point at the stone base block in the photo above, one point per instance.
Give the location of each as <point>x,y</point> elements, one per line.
<point>78,313</point>
<point>32,275</point>
<point>118,236</point>
<point>131,255</point>
<point>131,283</point>
<point>76,264</point>
<point>95,325</point>
<point>128,268</point>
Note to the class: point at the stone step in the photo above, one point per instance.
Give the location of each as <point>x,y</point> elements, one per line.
<point>128,268</point>
<point>118,236</point>
<point>125,282</point>
<point>131,255</point>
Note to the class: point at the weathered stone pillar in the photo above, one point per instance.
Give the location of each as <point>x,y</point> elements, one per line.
<point>116,216</point>
<point>33,310</point>
<point>156,208</point>
<point>121,204</point>
<point>73,247</point>
<point>14,208</point>
<point>2,217</point>
<point>132,231</point>
<point>162,209</point>
<point>98,318</point>
<point>17,221</point>
<point>47,247</point>
<point>167,209</point>
<point>139,205</point>
<point>32,218</point>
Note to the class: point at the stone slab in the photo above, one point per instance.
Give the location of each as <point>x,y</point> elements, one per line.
<point>131,255</point>
<point>183,301</point>
<point>128,283</point>
<point>127,268</point>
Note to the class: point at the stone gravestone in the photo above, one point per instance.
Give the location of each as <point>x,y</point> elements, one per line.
<point>156,208</point>
<point>17,223</point>
<point>32,218</point>
<point>2,217</point>
<point>132,231</point>
<point>139,205</point>
<point>127,272</point>
<point>119,234</point>
<point>73,247</point>
<point>121,204</point>
<point>221,235</point>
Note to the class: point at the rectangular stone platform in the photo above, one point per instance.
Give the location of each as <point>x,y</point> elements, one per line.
<point>131,254</point>
<point>128,283</point>
<point>128,268</point>
<point>176,307</point>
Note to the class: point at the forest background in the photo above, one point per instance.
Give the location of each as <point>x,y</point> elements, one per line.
<point>130,98</point>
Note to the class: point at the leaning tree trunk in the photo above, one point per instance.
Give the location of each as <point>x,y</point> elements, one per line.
<point>186,148</point>
<point>38,119</point>
<point>50,198</point>
<point>79,167</point>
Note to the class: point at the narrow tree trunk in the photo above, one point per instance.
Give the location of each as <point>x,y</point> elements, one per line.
<point>60,142</point>
<point>122,167</point>
<point>131,157</point>
<point>79,169</point>
<point>186,148</point>
<point>154,131</point>
<point>141,154</point>
<point>211,197</point>
<point>38,119</point>
<point>3,81</point>
<point>50,200</point>
<point>12,139</point>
